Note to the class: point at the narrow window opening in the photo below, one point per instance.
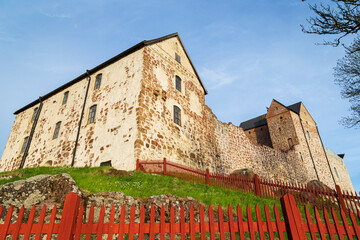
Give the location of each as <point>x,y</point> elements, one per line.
<point>92,114</point>
<point>308,134</point>
<point>301,157</point>
<point>281,117</point>
<point>290,141</point>
<point>34,114</point>
<point>178,83</point>
<point>249,132</point>
<point>24,145</point>
<point>57,129</point>
<point>177,115</point>
<point>337,175</point>
<point>279,129</point>
<point>66,95</point>
<point>177,58</point>
<point>261,129</point>
<point>98,81</point>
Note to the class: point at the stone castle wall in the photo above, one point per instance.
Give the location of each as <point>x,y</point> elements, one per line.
<point>135,120</point>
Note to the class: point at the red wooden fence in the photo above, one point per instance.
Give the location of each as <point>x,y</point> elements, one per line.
<point>264,188</point>
<point>289,225</point>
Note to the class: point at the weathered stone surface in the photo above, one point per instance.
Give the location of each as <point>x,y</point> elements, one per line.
<point>243,173</point>
<point>315,184</point>
<point>38,190</point>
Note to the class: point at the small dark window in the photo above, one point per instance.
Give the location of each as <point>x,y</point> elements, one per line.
<point>249,132</point>
<point>57,129</point>
<point>308,134</point>
<point>276,108</point>
<point>281,117</point>
<point>66,95</point>
<point>178,83</point>
<point>336,172</point>
<point>34,114</point>
<point>24,145</point>
<point>261,129</point>
<point>92,114</point>
<point>177,58</point>
<point>107,163</point>
<point>301,157</point>
<point>279,129</point>
<point>98,81</point>
<point>177,115</point>
<point>290,141</point>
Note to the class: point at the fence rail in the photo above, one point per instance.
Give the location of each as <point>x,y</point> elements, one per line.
<point>265,188</point>
<point>289,225</point>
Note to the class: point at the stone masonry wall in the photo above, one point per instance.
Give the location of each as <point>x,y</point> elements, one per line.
<point>259,136</point>
<point>111,137</point>
<point>201,141</point>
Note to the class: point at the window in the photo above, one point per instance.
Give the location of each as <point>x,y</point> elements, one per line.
<point>279,129</point>
<point>178,83</point>
<point>92,114</point>
<point>281,117</point>
<point>57,129</point>
<point>177,58</point>
<point>301,157</point>
<point>177,115</point>
<point>336,172</point>
<point>24,144</point>
<point>66,95</point>
<point>308,134</point>
<point>34,114</point>
<point>98,81</point>
<point>290,141</point>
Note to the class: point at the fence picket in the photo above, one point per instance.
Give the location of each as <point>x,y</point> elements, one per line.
<point>142,222</point>
<point>29,223</point>
<point>319,224</point>
<point>90,223</point>
<point>345,224</point>
<point>328,225</point>
<point>339,231</point>
<point>52,223</point>
<point>172,223</point>
<point>192,222</point>
<point>182,222</point>
<point>279,227</point>
<point>132,223</point>
<point>202,223</point>
<point>6,225</point>
<point>269,223</point>
<point>40,223</point>
<point>221,223</point>
<point>260,223</point>
<point>122,223</point>
<point>251,223</point>
<point>240,223</point>
<point>231,223</point>
<point>100,223</point>
<point>354,225</point>
<point>310,223</point>
<point>111,223</point>
<point>211,223</point>
<point>18,223</point>
<point>162,223</point>
<point>79,223</point>
<point>152,221</point>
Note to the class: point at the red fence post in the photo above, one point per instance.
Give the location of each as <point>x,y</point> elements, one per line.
<point>207,177</point>
<point>292,216</point>
<point>257,185</point>
<point>68,217</point>
<point>137,165</point>
<point>340,198</point>
<point>164,166</point>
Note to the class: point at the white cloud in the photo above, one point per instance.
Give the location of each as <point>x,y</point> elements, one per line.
<point>216,78</point>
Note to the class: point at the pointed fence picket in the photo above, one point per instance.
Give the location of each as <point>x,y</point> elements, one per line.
<point>289,225</point>
<point>264,188</point>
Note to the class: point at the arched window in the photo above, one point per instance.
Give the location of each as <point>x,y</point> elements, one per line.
<point>178,83</point>
<point>177,115</point>
<point>92,114</point>
<point>57,129</point>
<point>24,145</point>
<point>34,114</point>
<point>66,95</point>
<point>336,172</point>
<point>98,81</point>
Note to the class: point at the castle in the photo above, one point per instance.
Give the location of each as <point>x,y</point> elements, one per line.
<point>148,103</point>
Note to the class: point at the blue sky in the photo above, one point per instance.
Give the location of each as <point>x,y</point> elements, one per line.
<point>246,52</point>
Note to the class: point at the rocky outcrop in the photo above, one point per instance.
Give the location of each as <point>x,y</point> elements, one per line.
<point>243,173</point>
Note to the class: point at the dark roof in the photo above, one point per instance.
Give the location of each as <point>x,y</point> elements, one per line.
<point>253,123</point>
<point>342,155</point>
<point>295,107</point>
<point>110,61</point>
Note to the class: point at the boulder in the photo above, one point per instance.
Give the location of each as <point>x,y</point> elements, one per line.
<point>243,173</point>
<point>316,184</point>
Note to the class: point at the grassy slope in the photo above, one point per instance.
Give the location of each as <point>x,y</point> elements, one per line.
<point>140,185</point>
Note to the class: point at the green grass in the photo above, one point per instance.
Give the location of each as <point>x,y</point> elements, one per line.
<point>140,185</point>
